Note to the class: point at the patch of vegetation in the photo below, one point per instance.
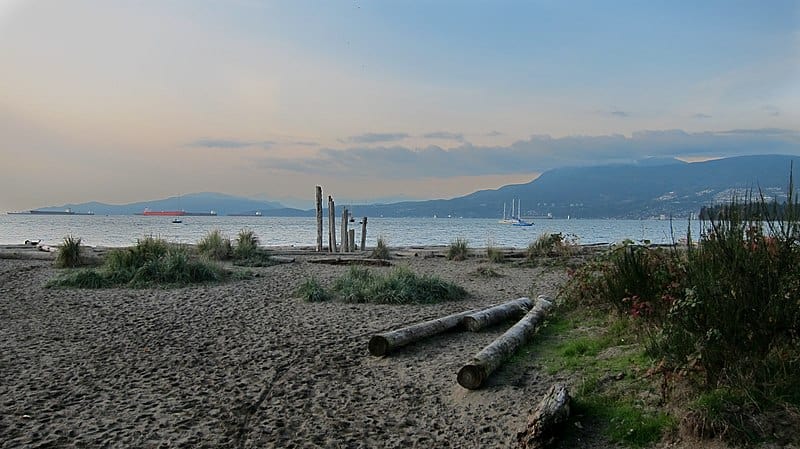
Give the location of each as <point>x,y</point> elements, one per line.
<point>550,245</point>
<point>458,250</point>
<point>400,286</point>
<point>381,250</point>
<point>69,253</point>
<point>151,262</point>
<point>312,291</point>
<point>215,246</point>
<point>624,422</point>
<point>246,245</point>
<point>723,315</point>
<point>487,272</point>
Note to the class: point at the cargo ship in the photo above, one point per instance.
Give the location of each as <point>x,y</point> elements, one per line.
<point>177,213</point>
<point>51,212</point>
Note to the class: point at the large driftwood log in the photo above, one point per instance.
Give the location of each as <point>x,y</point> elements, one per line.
<point>352,261</point>
<point>497,314</point>
<point>544,422</point>
<point>383,343</point>
<point>473,374</point>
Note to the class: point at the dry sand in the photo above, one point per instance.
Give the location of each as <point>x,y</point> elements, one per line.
<point>247,364</point>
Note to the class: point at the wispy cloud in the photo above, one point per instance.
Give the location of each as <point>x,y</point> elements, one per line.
<point>444,135</point>
<point>229,144</point>
<point>701,115</point>
<point>376,138</point>
<point>539,153</point>
<point>494,134</point>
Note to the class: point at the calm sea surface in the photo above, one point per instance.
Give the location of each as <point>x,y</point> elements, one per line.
<point>124,230</point>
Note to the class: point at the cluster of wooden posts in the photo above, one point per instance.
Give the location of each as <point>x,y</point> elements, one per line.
<point>348,243</point>
<point>551,412</point>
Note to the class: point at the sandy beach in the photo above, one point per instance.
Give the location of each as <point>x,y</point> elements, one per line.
<point>247,364</point>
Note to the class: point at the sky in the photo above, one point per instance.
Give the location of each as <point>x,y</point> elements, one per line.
<point>121,101</point>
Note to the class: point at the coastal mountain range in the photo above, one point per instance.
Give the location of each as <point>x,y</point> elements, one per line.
<point>649,188</point>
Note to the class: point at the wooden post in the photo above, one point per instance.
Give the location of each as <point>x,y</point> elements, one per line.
<point>319,218</point>
<point>344,230</point>
<point>473,374</point>
<point>363,233</point>
<point>331,225</point>
<point>351,241</point>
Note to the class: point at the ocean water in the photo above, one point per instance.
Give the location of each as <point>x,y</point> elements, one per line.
<point>124,230</point>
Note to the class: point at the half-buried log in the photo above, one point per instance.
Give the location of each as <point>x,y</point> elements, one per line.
<point>473,374</point>
<point>546,419</point>
<point>381,344</point>
<point>497,314</point>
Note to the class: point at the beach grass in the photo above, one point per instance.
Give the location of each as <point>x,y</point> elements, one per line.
<point>151,262</point>
<point>215,246</point>
<point>458,250</point>
<point>400,286</point>
<point>69,253</point>
<point>381,250</point>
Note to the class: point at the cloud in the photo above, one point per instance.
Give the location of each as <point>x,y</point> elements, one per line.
<point>700,115</point>
<point>494,134</point>
<point>539,153</point>
<point>618,113</point>
<point>377,138</point>
<point>229,144</point>
<point>444,135</point>
<point>771,110</point>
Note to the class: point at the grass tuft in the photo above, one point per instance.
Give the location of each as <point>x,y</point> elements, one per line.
<point>381,250</point>
<point>246,245</point>
<point>312,291</point>
<point>458,250</point>
<point>401,286</point>
<point>215,246</point>
<point>69,253</point>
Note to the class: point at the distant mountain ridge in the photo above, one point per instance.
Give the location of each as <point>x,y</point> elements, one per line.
<point>220,203</point>
<point>649,188</point>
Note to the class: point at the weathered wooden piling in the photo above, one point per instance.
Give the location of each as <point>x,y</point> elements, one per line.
<point>351,241</point>
<point>319,217</point>
<point>344,230</point>
<point>331,225</point>
<point>363,233</point>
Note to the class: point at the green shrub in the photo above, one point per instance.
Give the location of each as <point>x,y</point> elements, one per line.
<point>215,246</point>
<point>401,286</point>
<point>311,291</point>
<point>69,253</point>
<point>551,245</point>
<point>458,250</point>
<point>381,251</point>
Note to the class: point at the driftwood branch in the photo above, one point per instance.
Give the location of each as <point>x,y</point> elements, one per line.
<point>546,419</point>
<point>473,374</point>
<point>497,314</point>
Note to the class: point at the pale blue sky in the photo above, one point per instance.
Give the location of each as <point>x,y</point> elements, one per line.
<point>144,99</point>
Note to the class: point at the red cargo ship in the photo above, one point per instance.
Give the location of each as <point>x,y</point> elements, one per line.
<point>164,213</point>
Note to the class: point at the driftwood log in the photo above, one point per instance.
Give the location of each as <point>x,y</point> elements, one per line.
<point>473,374</point>
<point>545,421</point>
<point>351,261</point>
<point>381,344</point>
<point>497,314</point>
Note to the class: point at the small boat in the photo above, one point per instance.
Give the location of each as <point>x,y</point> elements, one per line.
<point>177,220</point>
